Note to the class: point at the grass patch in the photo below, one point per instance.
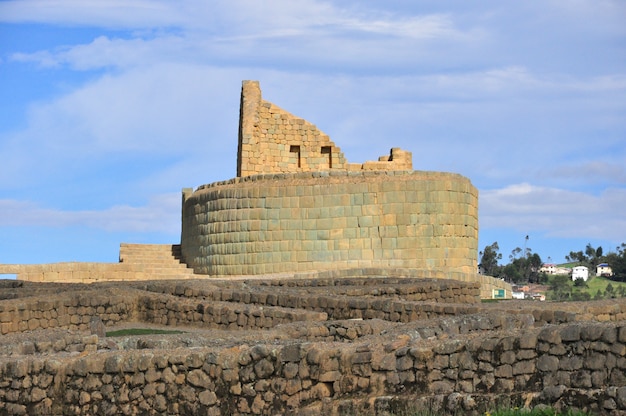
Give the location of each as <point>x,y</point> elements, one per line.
<point>600,283</point>
<point>141,331</point>
<point>562,288</point>
<point>539,411</point>
<point>536,412</point>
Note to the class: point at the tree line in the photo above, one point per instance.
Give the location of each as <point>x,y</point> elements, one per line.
<point>524,265</point>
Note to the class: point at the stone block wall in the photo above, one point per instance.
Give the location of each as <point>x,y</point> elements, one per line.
<point>137,262</point>
<point>581,365</point>
<point>70,312</point>
<point>112,307</point>
<point>272,140</point>
<point>77,272</point>
<point>320,221</point>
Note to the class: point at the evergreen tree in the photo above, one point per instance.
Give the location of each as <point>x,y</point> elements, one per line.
<point>489,260</point>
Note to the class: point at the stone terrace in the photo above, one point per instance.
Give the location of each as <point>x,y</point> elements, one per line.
<point>313,345</point>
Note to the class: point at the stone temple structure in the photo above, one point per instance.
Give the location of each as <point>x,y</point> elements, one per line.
<point>298,205</point>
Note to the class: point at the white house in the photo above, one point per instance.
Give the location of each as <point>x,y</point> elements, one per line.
<point>518,295</point>
<point>580,272</point>
<point>548,268</point>
<point>603,269</point>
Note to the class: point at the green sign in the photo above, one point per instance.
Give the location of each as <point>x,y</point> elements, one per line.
<point>499,293</point>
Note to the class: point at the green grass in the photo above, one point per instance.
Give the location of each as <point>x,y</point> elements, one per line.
<point>588,291</point>
<point>535,412</point>
<point>600,283</point>
<point>539,411</point>
<point>141,331</point>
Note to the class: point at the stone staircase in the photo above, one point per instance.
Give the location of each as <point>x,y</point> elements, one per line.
<point>156,261</point>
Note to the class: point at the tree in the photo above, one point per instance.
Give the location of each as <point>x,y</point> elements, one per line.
<point>590,252</point>
<point>561,287</point>
<point>511,273</point>
<point>513,256</point>
<point>617,261</point>
<point>609,291</point>
<point>489,260</point>
<point>524,269</point>
<point>575,257</point>
<point>533,264</point>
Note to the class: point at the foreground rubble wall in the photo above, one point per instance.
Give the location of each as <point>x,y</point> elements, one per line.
<point>578,364</point>
<point>324,345</point>
<point>327,221</point>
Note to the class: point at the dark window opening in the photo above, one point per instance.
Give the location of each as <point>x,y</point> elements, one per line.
<point>327,150</point>
<point>295,150</point>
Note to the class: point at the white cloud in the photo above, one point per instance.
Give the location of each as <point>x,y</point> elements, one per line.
<point>102,13</point>
<point>160,214</point>
<point>105,52</point>
<point>555,212</point>
<point>164,111</point>
<point>303,34</point>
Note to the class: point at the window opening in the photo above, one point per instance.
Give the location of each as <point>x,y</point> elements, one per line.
<point>295,150</point>
<point>327,150</point>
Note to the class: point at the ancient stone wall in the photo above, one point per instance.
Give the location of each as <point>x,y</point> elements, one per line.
<point>570,365</point>
<point>323,345</point>
<point>320,221</point>
<point>77,272</point>
<point>214,308</point>
<point>137,262</point>
<point>272,140</point>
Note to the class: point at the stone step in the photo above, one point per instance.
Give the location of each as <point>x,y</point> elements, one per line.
<point>160,261</point>
<point>152,260</point>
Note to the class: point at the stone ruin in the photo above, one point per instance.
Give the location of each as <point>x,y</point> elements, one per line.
<point>319,295</point>
<point>329,343</point>
<point>298,205</point>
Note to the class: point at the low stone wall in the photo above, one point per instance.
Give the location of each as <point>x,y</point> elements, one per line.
<point>137,262</point>
<point>72,311</point>
<point>257,304</point>
<point>571,365</point>
<point>104,272</point>
<point>294,347</point>
<point>75,312</point>
<point>221,315</point>
<point>80,272</point>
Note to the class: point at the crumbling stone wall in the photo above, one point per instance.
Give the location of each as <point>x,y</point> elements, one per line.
<point>319,221</point>
<point>581,365</point>
<point>232,308</point>
<point>310,355</point>
<point>271,140</point>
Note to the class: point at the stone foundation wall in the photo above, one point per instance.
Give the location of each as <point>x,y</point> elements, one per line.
<point>137,262</point>
<point>320,221</point>
<point>571,365</point>
<point>78,272</point>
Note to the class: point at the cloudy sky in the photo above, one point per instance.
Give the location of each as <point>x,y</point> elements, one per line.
<point>108,108</point>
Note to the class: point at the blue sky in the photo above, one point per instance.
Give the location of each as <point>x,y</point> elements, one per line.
<point>109,108</point>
